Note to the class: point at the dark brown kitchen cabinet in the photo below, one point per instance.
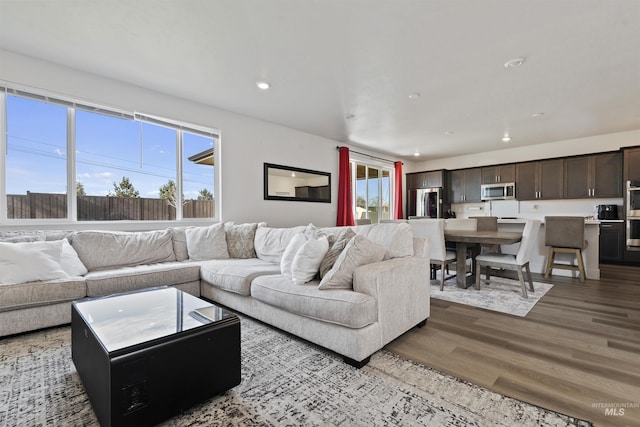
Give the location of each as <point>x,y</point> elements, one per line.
<point>612,242</point>
<point>598,175</point>
<point>498,174</point>
<point>540,180</point>
<point>428,179</point>
<point>465,185</point>
<point>632,164</point>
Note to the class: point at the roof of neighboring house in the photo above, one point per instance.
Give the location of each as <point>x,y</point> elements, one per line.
<point>203,158</point>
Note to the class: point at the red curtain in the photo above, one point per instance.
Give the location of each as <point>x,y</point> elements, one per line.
<point>397,202</point>
<point>345,208</point>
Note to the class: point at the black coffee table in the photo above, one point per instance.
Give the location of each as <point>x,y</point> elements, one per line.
<point>148,355</point>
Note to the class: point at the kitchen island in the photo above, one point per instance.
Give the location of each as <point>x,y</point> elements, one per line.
<point>591,254</point>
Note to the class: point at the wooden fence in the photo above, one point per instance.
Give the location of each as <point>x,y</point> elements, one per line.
<point>103,208</point>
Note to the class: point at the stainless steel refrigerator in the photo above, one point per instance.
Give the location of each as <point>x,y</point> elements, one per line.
<point>426,202</point>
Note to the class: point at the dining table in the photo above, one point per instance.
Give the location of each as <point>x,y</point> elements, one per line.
<point>464,239</point>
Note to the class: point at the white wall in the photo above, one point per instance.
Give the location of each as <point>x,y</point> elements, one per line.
<point>569,147</point>
<point>246,143</point>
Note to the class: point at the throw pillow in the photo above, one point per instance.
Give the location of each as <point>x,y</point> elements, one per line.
<point>359,251</point>
<point>207,242</point>
<point>307,260</point>
<point>289,254</point>
<point>335,251</point>
<point>24,262</point>
<point>69,260</point>
<point>240,239</point>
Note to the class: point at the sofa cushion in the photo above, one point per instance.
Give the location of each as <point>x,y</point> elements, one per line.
<point>207,242</point>
<point>270,243</point>
<point>126,279</point>
<point>341,307</point>
<point>235,275</point>
<point>101,250</point>
<point>397,238</point>
<point>33,294</point>
<point>179,240</point>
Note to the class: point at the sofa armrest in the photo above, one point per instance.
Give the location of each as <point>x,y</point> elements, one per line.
<point>401,287</point>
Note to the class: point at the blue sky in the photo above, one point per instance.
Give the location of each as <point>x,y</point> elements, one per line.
<point>107,148</point>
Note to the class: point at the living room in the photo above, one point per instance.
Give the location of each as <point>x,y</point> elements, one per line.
<point>247,143</point>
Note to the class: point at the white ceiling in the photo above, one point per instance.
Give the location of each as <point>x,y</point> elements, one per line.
<point>332,58</point>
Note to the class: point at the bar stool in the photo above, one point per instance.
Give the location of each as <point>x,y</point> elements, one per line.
<point>564,234</point>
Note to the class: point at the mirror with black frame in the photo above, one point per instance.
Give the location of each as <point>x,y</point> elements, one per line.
<point>296,184</point>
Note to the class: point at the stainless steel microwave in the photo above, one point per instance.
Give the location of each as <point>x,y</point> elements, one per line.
<point>501,191</point>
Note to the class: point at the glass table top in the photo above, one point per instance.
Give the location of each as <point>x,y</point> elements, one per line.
<point>123,320</point>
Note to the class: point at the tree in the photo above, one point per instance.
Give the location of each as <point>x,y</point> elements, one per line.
<point>80,189</point>
<point>124,189</point>
<point>205,195</point>
<point>168,193</point>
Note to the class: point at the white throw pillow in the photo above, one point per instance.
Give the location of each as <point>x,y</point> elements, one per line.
<point>359,251</point>
<point>289,253</point>
<point>26,262</point>
<point>207,242</point>
<point>69,260</point>
<point>306,262</point>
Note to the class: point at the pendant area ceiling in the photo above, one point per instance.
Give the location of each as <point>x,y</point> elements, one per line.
<point>398,77</point>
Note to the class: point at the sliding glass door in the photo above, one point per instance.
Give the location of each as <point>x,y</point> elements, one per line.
<point>372,192</point>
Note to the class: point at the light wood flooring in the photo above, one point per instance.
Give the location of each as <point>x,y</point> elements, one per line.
<point>577,351</point>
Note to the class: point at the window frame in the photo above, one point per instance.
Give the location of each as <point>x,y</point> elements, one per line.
<point>368,163</point>
<point>71,220</point>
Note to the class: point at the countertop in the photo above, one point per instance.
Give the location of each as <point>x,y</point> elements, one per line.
<point>587,221</point>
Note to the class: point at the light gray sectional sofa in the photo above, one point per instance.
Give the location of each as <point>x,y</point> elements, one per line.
<point>375,285</point>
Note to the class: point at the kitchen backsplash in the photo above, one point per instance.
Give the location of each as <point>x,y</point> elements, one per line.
<point>534,208</point>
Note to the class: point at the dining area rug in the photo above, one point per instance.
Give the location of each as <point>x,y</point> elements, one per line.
<point>504,296</point>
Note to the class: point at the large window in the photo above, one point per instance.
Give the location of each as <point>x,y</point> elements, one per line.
<point>36,159</point>
<point>117,166</point>
<point>372,192</point>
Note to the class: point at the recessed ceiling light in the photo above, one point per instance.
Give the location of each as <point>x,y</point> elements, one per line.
<point>514,62</point>
<point>263,85</point>
<point>414,95</point>
<point>506,138</point>
<point>416,154</point>
<point>537,115</point>
<point>449,132</point>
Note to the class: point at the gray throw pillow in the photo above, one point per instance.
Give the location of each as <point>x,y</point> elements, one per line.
<point>359,251</point>
<point>335,251</point>
<point>240,238</point>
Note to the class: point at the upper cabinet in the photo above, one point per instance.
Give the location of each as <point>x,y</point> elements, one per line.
<point>425,179</point>
<point>498,174</point>
<point>540,180</point>
<point>632,164</point>
<point>598,175</point>
<point>465,185</point>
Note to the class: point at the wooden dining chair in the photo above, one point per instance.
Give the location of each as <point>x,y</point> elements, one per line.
<point>488,223</point>
<point>516,262</point>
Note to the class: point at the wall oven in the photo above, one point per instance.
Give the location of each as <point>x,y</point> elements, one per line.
<point>633,215</point>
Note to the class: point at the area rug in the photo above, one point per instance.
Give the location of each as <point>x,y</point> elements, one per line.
<point>504,296</point>
<point>285,381</point>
